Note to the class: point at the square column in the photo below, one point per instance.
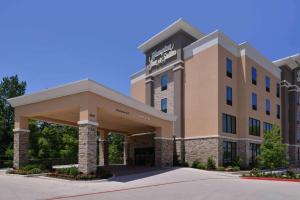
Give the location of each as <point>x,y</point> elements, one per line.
<point>87,158</point>
<point>103,148</point>
<point>125,152</point>
<point>163,152</point>
<point>21,144</point>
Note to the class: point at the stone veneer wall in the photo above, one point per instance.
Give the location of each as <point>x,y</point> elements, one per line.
<point>200,149</point>
<point>164,152</point>
<point>87,155</point>
<point>169,93</point>
<point>21,144</point>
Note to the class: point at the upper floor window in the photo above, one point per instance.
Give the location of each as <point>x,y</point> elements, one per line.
<point>254,101</point>
<point>164,82</point>
<point>229,67</point>
<point>228,123</point>
<point>254,75</point>
<point>268,106</point>
<point>267,79</point>
<point>278,111</point>
<point>164,105</point>
<point>277,89</point>
<point>254,127</point>
<point>229,95</point>
<point>267,127</point>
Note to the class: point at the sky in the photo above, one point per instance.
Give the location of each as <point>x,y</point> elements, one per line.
<point>52,42</point>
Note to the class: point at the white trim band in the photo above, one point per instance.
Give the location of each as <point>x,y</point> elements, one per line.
<point>220,136</point>
<point>163,138</point>
<point>21,130</point>
<point>84,122</point>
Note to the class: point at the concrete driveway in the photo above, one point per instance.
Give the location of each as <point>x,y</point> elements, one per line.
<point>183,183</point>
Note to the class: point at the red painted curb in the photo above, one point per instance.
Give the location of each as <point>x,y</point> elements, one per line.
<point>271,179</point>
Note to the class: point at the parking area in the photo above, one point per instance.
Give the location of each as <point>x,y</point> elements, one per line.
<point>172,183</point>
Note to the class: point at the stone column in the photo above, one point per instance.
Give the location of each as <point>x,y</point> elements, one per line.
<point>163,152</point>
<point>87,159</point>
<point>125,152</point>
<point>21,143</point>
<point>103,149</point>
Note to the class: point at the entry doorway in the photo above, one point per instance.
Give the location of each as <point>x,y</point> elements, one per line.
<point>144,156</point>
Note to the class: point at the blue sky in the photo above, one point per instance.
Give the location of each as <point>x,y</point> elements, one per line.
<point>53,42</point>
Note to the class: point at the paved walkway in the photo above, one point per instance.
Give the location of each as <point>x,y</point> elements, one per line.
<point>184,183</point>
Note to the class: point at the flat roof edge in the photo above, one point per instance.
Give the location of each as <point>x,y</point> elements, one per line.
<point>88,85</point>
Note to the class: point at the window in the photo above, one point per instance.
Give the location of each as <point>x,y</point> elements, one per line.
<point>228,123</point>
<point>229,67</point>
<point>164,105</point>
<point>254,76</point>
<point>229,95</point>
<point>267,127</point>
<point>254,101</point>
<point>255,151</point>
<point>278,111</point>
<point>298,153</point>
<point>298,136</point>
<point>267,79</point>
<point>254,127</point>
<point>164,82</point>
<point>278,90</point>
<point>229,152</point>
<point>268,106</point>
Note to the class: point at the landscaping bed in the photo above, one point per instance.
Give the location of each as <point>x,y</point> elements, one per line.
<point>288,175</point>
<point>72,173</point>
<point>211,165</point>
<point>29,170</point>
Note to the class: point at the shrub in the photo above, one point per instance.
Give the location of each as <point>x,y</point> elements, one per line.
<point>211,164</point>
<point>236,168</point>
<point>221,168</point>
<point>291,174</point>
<point>201,166</point>
<point>255,172</point>
<point>35,171</point>
<point>195,164</point>
<point>72,171</point>
<point>29,167</point>
<point>237,162</point>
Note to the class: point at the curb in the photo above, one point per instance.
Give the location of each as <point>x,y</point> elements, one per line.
<point>272,179</point>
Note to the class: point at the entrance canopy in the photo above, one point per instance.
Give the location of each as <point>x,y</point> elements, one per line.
<point>93,108</point>
<point>86,101</point>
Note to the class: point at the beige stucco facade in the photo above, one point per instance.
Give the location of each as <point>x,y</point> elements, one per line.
<point>204,81</point>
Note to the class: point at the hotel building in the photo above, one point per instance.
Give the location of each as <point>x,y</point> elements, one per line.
<point>198,95</point>
<point>290,100</point>
<point>225,95</point>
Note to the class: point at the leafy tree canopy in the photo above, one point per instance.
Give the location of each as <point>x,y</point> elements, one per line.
<point>273,151</point>
<point>9,87</point>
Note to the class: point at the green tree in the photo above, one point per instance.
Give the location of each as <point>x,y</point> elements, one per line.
<point>115,142</point>
<point>53,141</point>
<point>273,151</point>
<point>9,87</point>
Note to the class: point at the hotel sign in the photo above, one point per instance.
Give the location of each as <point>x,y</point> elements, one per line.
<point>160,56</point>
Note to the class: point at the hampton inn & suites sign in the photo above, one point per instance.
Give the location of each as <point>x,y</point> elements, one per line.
<point>160,56</point>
